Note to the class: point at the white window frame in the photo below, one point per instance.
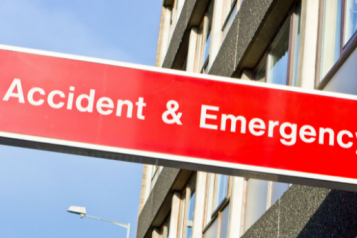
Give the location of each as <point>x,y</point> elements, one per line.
<point>213,212</point>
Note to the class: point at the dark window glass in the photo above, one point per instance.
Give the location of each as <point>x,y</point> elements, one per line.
<point>260,74</point>
<point>278,57</point>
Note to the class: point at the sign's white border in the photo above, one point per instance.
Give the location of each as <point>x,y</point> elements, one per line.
<point>163,156</point>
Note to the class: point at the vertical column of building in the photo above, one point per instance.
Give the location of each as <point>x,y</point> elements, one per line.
<point>164,36</point>
<point>256,201</point>
<point>236,208</point>
<point>216,31</point>
<point>143,188</point>
<point>148,181</point>
<point>308,42</point>
<point>199,205</point>
<point>191,54</point>
<point>174,216</point>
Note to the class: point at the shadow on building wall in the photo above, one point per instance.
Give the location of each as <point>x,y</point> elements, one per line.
<point>336,217</point>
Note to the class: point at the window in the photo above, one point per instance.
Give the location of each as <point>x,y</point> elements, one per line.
<point>217,206</point>
<point>189,222</point>
<point>261,70</point>
<point>221,189</point>
<point>204,40</point>
<point>338,25</point>
<point>228,6</point>
<point>155,172</point>
<point>278,57</point>
<point>224,222</point>
<point>278,190</point>
<point>154,169</point>
<point>212,230</point>
<point>230,13</point>
<point>187,207</point>
<point>207,34</point>
<point>331,36</point>
<point>350,19</point>
<point>279,64</point>
<point>206,47</point>
<point>175,15</point>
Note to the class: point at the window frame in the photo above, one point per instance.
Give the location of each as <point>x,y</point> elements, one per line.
<point>228,19</point>
<point>216,210</point>
<point>201,63</point>
<point>184,203</point>
<point>155,172</point>
<point>292,15</point>
<point>345,49</point>
<point>228,15</point>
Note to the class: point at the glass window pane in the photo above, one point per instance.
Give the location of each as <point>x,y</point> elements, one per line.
<point>207,44</point>
<point>278,57</point>
<point>296,47</point>
<point>351,19</point>
<point>224,222</point>
<point>278,190</point>
<point>330,47</point>
<point>212,230</point>
<point>260,74</point>
<point>222,188</point>
<point>189,232</point>
<point>168,232</point>
<point>191,207</point>
<point>167,225</point>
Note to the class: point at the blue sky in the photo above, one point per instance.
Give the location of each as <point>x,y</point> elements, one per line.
<point>37,187</point>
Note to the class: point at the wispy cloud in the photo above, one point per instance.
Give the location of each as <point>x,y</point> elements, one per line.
<point>27,23</point>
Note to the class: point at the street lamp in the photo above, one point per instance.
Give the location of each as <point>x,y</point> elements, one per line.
<point>82,211</point>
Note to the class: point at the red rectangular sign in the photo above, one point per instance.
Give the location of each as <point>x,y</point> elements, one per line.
<point>176,116</point>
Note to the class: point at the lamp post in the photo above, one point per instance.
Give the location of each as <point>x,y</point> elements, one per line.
<point>82,211</point>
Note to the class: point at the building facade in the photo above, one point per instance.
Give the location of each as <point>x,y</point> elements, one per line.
<point>300,43</point>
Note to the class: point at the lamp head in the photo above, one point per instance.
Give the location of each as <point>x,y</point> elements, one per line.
<point>77,210</point>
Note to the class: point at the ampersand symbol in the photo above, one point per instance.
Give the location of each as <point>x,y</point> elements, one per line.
<point>172,106</point>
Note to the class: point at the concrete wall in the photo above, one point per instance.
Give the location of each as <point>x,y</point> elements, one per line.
<point>309,212</point>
